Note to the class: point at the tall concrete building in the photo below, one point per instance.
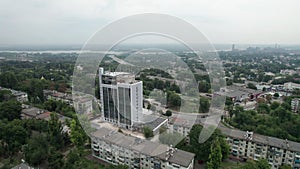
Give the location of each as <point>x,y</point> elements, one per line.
<point>121,98</point>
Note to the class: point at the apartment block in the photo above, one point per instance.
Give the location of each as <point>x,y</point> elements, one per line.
<point>248,145</point>
<point>116,148</point>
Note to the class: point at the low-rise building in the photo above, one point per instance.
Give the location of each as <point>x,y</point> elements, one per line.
<point>291,86</point>
<point>29,112</point>
<point>248,145</point>
<point>151,121</point>
<point>19,95</point>
<point>182,124</point>
<point>238,94</point>
<point>116,148</point>
<point>287,72</point>
<point>83,105</point>
<point>58,96</point>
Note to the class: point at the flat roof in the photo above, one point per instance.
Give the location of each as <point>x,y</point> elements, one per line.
<point>143,146</point>
<point>151,121</point>
<point>267,140</point>
<point>33,111</point>
<point>108,73</point>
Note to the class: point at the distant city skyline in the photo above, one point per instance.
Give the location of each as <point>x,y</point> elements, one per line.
<point>64,22</point>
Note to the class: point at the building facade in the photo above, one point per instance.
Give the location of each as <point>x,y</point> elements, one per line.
<point>247,145</point>
<point>58,96</point>
<point>295,104</point>
<point>291,86</point>
<point>116,148</point>
<point>121,98</point>
<point>19,95</point>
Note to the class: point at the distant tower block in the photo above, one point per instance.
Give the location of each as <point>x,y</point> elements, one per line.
<point>233,47</point>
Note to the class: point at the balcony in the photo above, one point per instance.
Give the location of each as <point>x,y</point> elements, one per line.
<point>121,159</point>
<point>95,147</point>
<point>236,141</point>
<point>234,153</point>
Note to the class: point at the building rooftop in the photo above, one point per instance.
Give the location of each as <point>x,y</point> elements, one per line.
<point>14,92</point>
<point>18,93</point>
<point>108,73</point>
<point>151,121</point>
<point>144,146</point>
<point>57,94</point>
<point>119,77</point>
<point>44,116</point>
<point>236,91</point>
<point>272,141</point>
<point>32,111</point>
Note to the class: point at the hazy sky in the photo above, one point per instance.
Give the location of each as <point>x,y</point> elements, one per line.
<point>222,21</point>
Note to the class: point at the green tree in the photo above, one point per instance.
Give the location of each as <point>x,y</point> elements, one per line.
<point>77,135</point>
<point>285,166</point>
<point>282,114</point>
<point>263,164</point>
<point>286,106</point>
<point>228,101</point>
<point>149,106</point>
<point>263,108</point>
<point>251,86</point>
<point>13,137</point>
<point>5,95</point>
<point>8,80</point>
<point>204,86</point>
<point>202,150</point>
<point>173,99</point>
<point>55,134</point>
<point>72,158</point>
<point>36,150</point>
<point>260,164</point>
<point>204,105</point>
<point>147,132</point>
<point>215,156</point>
<point>10,110</point>
<point>274,105</point>
<point>168,113</point>
<point>55,159</point>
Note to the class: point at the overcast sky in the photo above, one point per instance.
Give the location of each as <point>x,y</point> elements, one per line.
<point>222,21</point>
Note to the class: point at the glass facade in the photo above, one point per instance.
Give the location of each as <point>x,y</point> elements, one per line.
<point>110,104</point>
<point>124,105</point>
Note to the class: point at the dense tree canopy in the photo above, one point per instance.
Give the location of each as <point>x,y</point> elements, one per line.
<point>10,110</point>
<point>202,150</point>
